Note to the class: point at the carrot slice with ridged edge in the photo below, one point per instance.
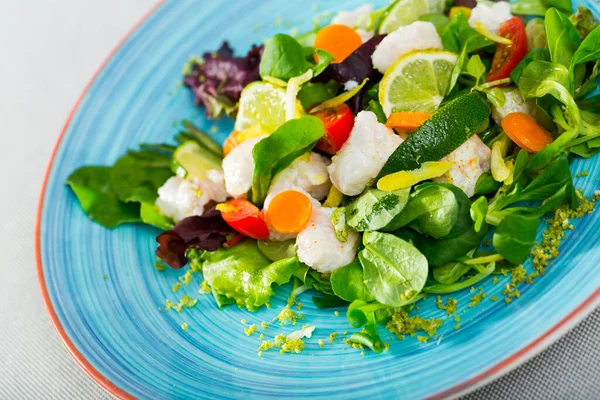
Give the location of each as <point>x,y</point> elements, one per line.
<point>289,211</point>
<point>339,40</point>
<point>525,132</point>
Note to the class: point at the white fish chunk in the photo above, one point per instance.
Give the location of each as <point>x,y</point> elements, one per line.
<point>513,102</point>
<point>363,155</point>
<point>471,159</point>
<point>238,168</point>
<point>419,35</point>
<point>490,16</point>
<point>319,248</point>
<point>179,198</point>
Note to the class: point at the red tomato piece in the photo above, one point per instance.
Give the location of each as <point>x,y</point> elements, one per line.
<point>508,56</point>
<point>338,123</point>
<point>245,218</point>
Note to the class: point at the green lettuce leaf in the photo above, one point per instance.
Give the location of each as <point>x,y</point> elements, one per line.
<point>242,273</point>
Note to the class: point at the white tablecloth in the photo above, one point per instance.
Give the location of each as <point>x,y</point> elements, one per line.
<point>48,52</point>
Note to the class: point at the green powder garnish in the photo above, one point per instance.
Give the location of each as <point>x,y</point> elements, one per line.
<point>250,330</point>
<point>475,300</point>
<point>186,301</point>
<point>286,315</point>
<point>450,306</point>
<point>401,324</point>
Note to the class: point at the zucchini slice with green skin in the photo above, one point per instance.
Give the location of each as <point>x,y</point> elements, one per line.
<point>441,134</point>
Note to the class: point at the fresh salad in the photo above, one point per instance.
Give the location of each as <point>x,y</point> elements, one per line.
<point>395,153</point>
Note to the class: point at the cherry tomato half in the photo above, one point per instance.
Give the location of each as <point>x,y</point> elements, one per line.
<point>245,218</point>
<point>508,56</point>
<point>338,123</point>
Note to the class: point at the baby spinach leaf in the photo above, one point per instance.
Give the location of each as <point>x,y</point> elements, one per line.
<point>486,184</point>
<point>226,268</point>
<point>549,181</point>
<point>478,212</point>
<point>563,39</point>
<point>554,201</point>
<point>444,250</point>
<point>432,210</point>
<point>283,58</point>
<point>460,285</point>
<point>589,49</point>
<point>458,34</point>
<point>538,72</point>
<point>475,68</point>
<point>90,185</point>
<point>539,79</point>
<point>394,270</point>
<point>532,55</point>
<point>276,251</point>
<point>348,283</point>
<point>375,208</point>
<point>451,272</point>
<point>463,220</point>
<point>515,236</point>
<point>280,149</point>
<point>316,92</point>
<point>589,85</point>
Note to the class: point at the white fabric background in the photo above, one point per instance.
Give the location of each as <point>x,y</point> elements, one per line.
<point>49,50</point>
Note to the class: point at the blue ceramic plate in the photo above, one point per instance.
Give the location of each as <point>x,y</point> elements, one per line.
<point>104,295</point>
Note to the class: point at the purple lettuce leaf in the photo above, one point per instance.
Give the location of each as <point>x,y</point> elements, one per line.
<point>208,232</point>
<point>218,78</point>
<point>357,66</point>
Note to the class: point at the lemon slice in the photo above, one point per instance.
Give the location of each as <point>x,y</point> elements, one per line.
<point>405,12</point>
<point>262,107</point>
<point>417,81</point>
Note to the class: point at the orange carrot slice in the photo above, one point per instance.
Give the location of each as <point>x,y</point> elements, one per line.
<point>407,120</point>
<point>339,40</point>
<point>289,211</point>
<point>525,132</point>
